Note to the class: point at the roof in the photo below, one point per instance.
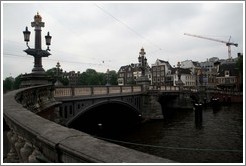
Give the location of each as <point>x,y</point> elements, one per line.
<point>166,62</point>
<point>229,66</point>
<point>182,71</point>
<point>196,64</point>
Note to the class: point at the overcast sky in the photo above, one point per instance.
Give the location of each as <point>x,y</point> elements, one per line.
<point>105,36</point>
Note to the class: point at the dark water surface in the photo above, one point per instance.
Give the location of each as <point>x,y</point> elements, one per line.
<point>219,139</point>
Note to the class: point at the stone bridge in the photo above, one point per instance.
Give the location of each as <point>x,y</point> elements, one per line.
<point>77,101</point>
<point>34,136</point>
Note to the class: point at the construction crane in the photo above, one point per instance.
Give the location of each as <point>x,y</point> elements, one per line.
<point>228,44</point>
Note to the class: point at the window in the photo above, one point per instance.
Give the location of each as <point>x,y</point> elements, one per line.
<point>226,73</point>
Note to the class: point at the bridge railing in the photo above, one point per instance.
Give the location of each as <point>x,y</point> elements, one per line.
<point>33,138</point>
<point>164,88</point>
<point>95,90</point>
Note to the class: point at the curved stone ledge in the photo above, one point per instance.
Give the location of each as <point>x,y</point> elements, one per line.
<point>40,140</point>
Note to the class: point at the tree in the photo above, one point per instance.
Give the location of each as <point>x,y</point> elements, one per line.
<point>8,84</point>
<point>17,82</point>
<point>101,78</point>
<point>113,77</point>
<point>64,80</point>
<point>92,77</point>
<point>83,79</point>
<point>51,72</point>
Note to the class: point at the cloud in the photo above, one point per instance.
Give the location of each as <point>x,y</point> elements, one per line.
<point>84,35</point>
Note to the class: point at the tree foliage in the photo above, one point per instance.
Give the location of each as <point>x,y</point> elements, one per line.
<point>17,82</point>
<point>88,77</point>
<point>55,76</point>
<point>113,77</point>
<point>11,83</point>
<point>92,77</point>
<point>8,84</point>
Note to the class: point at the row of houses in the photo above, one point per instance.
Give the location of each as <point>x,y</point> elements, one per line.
<point>213,73</point>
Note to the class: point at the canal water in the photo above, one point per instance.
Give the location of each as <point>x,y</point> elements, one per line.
<point>218,139</point>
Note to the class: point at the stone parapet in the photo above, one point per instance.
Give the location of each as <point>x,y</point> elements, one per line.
<point>35,139</point>
<point>95,90</point>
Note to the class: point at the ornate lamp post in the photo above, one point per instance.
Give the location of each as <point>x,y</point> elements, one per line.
<point>38,76</point>
<point>37,51</point>
<point>143,79</point>
<point>58,75</point>
<point>142,61</point>
<point>179,82</point>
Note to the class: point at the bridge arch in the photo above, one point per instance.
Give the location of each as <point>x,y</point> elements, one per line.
<point>110,115</point>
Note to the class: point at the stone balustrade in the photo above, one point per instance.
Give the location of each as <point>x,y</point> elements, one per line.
<point>96,90</point>
<point>164,88</point>
<point>33,138</point>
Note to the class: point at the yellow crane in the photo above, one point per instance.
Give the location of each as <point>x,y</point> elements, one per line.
<point>228,43</point>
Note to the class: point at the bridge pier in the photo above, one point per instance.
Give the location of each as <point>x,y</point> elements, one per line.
<point>174,101</point>
<point>151,108</point>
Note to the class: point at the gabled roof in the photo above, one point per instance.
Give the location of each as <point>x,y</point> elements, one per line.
<point>123,68</point>
<point>229,66</point>
<point>166,62</point>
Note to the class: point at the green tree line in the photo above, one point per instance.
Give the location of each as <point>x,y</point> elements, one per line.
<point>88,77</point>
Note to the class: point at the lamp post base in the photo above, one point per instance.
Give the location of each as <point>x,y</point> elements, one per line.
<point>34,79</point>
<point>38,70</point>
<point>143,80</point>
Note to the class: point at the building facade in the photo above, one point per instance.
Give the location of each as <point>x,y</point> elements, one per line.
<point>72,77</point>
<point>161,73</point>
<point>195,69</point>
<point>187,78</point>
<point>128,74</point>
<point>228,77</point>
<point>210,69</point>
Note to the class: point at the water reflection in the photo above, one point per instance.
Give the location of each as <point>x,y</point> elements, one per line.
<point>218,139</point>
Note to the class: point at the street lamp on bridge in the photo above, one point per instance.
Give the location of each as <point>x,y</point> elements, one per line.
<point>143,79</point>
<point>38,76</point>
<point>37,51</point>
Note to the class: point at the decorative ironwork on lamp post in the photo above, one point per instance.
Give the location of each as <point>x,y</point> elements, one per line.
<point>37,51</point>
